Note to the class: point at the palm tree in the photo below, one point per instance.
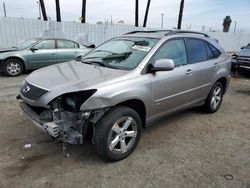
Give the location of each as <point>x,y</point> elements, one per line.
<point>136,13</point>
<point>43,10</point>
<point>180,14</point>
<point>146,14</point>
<point>226,23</point>
<point>83,18</point>
<point>58,13</point>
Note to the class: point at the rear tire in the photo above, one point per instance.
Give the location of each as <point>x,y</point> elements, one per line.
<point>13,67</point>
<point>214,98</point>
<point>117,133</point>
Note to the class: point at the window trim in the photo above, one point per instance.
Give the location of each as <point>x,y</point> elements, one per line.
<point>38,42</point>
<point>145,69</point>
<point>208,43</point>
<point>186,38</point>
<point>75,43</point>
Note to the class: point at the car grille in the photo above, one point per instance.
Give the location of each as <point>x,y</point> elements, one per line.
<point>244,60</point>
<point>32,92</point>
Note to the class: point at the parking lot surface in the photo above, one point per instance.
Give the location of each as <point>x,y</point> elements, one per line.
<point>189,149</point>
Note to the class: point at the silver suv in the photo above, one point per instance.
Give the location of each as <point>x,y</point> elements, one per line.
<point>118,88</point>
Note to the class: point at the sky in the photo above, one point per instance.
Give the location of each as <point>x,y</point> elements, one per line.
<point>208,14</point>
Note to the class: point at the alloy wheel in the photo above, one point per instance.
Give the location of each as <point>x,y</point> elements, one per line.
<point>122,136</point>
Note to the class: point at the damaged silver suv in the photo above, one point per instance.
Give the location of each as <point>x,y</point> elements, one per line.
<point>122,85</point>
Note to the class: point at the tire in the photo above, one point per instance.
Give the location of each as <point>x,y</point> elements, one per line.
<point>112,128</point>
<point>13,67</point>
<point>214,98</point>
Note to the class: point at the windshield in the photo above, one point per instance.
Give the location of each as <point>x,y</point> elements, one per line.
<point>121,53</point>
<point>248,46</point>
<point>25,44</point>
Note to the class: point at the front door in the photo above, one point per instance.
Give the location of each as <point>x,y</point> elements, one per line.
<point>42,54</point>
<point>66,50</point>
<point>171,89</point>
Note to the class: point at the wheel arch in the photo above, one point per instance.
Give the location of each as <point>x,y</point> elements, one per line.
<point>17,58</point>
<point>138,106</point>
<point>224,82</point>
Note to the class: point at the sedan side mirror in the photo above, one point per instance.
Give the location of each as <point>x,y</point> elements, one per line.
<point>163,65</point>
<point>33,49</point>
<point>242,47</point>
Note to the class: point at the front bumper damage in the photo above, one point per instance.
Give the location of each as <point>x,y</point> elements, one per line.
<point>62,125</point>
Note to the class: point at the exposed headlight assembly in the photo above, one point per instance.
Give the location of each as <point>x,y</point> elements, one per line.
<point>73,101</point>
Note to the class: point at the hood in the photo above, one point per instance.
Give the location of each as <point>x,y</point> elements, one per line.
<point>8,49</point>
<point>72,75</point>
<point>244,52</point>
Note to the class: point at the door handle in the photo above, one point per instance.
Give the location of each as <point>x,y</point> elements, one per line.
<point>189,71</point>
<point>53,54</point>
<point>216,64</point>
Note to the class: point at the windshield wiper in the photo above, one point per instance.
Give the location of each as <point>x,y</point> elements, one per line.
<point>98,63</point>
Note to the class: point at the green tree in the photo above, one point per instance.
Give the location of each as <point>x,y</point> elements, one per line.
<point>226,23</point>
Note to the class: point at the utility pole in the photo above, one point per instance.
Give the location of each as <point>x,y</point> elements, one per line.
<point>136,13</point>
<point>58,13</point>
<point>39,10</point>
<point>4,9</point>
<point>180,14</point>
<point>111,19</point>
<point>45,18</point>
<point>162,15</point>
<point>83,18</point>
<point>235,23</point>
<point>146,14</point>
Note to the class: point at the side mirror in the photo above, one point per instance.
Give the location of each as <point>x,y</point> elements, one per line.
<point>242,47</point>
<point>90,45</point>
<point>163,65</point>
<point>33,49</point>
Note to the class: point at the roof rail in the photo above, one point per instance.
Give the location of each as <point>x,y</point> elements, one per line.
<point>150,31</point>
<point>172,32</point>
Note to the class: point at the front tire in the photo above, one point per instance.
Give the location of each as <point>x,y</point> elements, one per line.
<point>117,133</point>
<point>214,98</point>
<point>13,67</point>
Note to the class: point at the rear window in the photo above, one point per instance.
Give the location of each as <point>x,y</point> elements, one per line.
<point>216,53</point>
<point>196,50</point>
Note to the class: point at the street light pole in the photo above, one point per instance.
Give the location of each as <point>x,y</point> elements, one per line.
<point>4,9</point>
<point>162,15</point>
<point>39,9</point>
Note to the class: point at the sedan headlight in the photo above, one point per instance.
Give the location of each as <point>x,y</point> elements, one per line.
<point>72,101</point>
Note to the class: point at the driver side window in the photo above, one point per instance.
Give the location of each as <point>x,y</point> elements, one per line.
<point>175,50</point>
<point>46,44</point>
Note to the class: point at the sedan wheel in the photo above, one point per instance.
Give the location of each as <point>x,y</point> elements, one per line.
<point>117,133</point>
<point>13,67</point>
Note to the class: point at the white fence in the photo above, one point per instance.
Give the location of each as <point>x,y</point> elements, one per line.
<point>15,30</point>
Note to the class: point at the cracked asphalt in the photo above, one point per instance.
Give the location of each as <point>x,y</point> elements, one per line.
<point>188,149</point>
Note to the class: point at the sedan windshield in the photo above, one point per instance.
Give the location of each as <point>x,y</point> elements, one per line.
<point>25,44</point>
<point>248,46</point>
<point>121,53</point>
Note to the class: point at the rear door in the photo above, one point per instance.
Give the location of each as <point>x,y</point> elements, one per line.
<point>66,50</point>
<point>171,89</point>
<point>204,65</point>
<point>42,54</point>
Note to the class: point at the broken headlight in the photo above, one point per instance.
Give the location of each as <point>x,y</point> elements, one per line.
<point>73,101</point>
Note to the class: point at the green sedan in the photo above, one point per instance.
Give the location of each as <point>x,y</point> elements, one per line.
<point>39,52</point>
